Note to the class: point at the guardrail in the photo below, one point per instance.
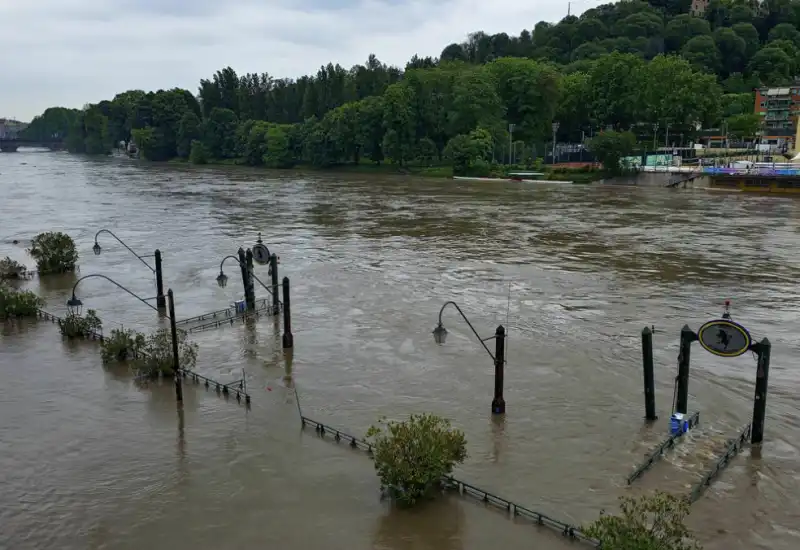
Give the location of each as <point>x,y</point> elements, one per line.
<point>227,313</point>
<point>252,314</point>
<point>734,446</point>
<point>658,452</point>
<point>463,488</point>
<point>239,387</point>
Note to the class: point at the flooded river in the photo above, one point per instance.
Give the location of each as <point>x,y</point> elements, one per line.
<point>88,460</point>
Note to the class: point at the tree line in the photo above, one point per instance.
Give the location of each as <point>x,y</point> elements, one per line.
<point>627,66</point>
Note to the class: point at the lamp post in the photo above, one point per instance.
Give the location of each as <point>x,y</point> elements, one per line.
<point>160,300</point>
<point>555,127</point>
<point>74,304</point>
<point>222,279</point>
<point>440,336</point>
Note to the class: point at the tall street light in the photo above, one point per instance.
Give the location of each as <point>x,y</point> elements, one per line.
<point>74,305</point>
<point>440,335</point>
<point>160,300</point>
<point>222,279</point>
<point>555,127</point>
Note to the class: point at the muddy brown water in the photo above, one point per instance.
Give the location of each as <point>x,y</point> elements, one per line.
<point>90,460</point>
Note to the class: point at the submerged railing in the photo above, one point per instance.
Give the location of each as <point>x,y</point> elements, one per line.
<point>463,488</point>
<point>656,454</point>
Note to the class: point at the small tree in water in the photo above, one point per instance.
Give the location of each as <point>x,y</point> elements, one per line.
<point>54,253</point>
<point>411,457</point>
<point>649,522</point>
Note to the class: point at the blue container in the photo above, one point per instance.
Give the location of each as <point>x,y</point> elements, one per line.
<point>678,424</point>
<point>239,305</point>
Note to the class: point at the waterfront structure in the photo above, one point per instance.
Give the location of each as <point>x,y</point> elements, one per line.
<point>779,109</point>
<point>10,128</point>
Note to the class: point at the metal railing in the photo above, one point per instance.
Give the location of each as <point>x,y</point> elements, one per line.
<point>734,446</point>
<point>658,452</point>
<point>463,488</point>
<point>252,314</point>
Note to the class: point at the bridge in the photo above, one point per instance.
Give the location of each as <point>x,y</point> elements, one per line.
<point>10,145</point>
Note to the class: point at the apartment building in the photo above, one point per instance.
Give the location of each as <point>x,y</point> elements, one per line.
<point>779,109</point>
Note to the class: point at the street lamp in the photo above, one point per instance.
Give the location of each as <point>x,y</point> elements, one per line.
<point>222,279</point>
<point>75,305</point>
<point>440,336</point>
<point>160,300</point>
<point>555,127</point>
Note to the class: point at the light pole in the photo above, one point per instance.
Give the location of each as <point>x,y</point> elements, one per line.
<point>74,305</point>
<point>555,126</point>
<point>655,136</point>
<point>440,335</point>
<point>510,143</point>
<point>160,300</point>
<point>222,279</point>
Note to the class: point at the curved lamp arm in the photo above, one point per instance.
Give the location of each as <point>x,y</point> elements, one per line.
<point>125,245</point>
<point>481,340</point>
<point>235,259</point>
<point>112,281</point>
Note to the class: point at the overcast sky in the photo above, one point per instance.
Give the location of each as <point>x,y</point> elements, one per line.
<point>72,52</point>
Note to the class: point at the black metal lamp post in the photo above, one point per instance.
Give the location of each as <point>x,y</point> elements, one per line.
<point>161,301</point>
<point>222,280</point>
<point>75,306</point>
<point>440,336</point>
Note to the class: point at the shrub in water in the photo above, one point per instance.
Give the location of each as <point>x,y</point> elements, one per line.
<point>154,357</point>
<point>649,522</point>
<point>80,326</point>
<point>411,457</point>
<point>11,270</point>
<point>54,253</point>
<point>18,303</point>
<point>122,345</point>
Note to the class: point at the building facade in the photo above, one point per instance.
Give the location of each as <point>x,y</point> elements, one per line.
<point>9,128</point>
<point>698,8</point>
<point>779,109</point>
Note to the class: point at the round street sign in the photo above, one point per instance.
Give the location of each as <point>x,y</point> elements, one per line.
<point>261,254</point>
<point>724,338</point>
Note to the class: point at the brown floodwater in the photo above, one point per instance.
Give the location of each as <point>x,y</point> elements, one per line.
<point>89,459</point>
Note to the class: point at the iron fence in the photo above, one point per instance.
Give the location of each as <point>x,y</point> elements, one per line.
<point>658,452</point>
<point>734,446</point>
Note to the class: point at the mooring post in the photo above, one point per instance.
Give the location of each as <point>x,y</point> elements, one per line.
<point>649,378</point>
<point>175,356</point>
<point>243,269</point>
<point>161,301</point>
<point>273,271</point>
<point>687,337</point>
<point>763,349</point>
<point>251,287</point>
<point>288,338</point>
<point>498,403</point>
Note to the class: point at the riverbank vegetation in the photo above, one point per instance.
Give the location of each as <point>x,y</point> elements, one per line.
<point>148,356</point>
<point>11,270</point>
<point>16,303</point>
<point>631,66</point>
<point>412,456</point>
<point>76,325</point>
<point>54,253</point>
<point>653,521</point>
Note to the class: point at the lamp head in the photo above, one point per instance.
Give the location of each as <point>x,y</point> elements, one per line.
<point>222,279</point>
<point>96,248</point>
<point>74,305</point>
<point>440,334</point>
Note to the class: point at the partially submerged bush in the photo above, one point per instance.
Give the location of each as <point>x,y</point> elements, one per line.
<point>122,345</point>
<point>54,252</point>
<point>411,457</point>
<point>11,270</point>
<point>18,303</point>
<point>154,354</point>
<point>649,522</point>
<point>80,326</point>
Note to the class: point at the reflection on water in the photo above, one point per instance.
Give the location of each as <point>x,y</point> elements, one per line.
<point>89,459</point>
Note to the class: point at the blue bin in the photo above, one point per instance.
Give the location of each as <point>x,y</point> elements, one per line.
<point>678,423</point>
<point>239,305</point>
